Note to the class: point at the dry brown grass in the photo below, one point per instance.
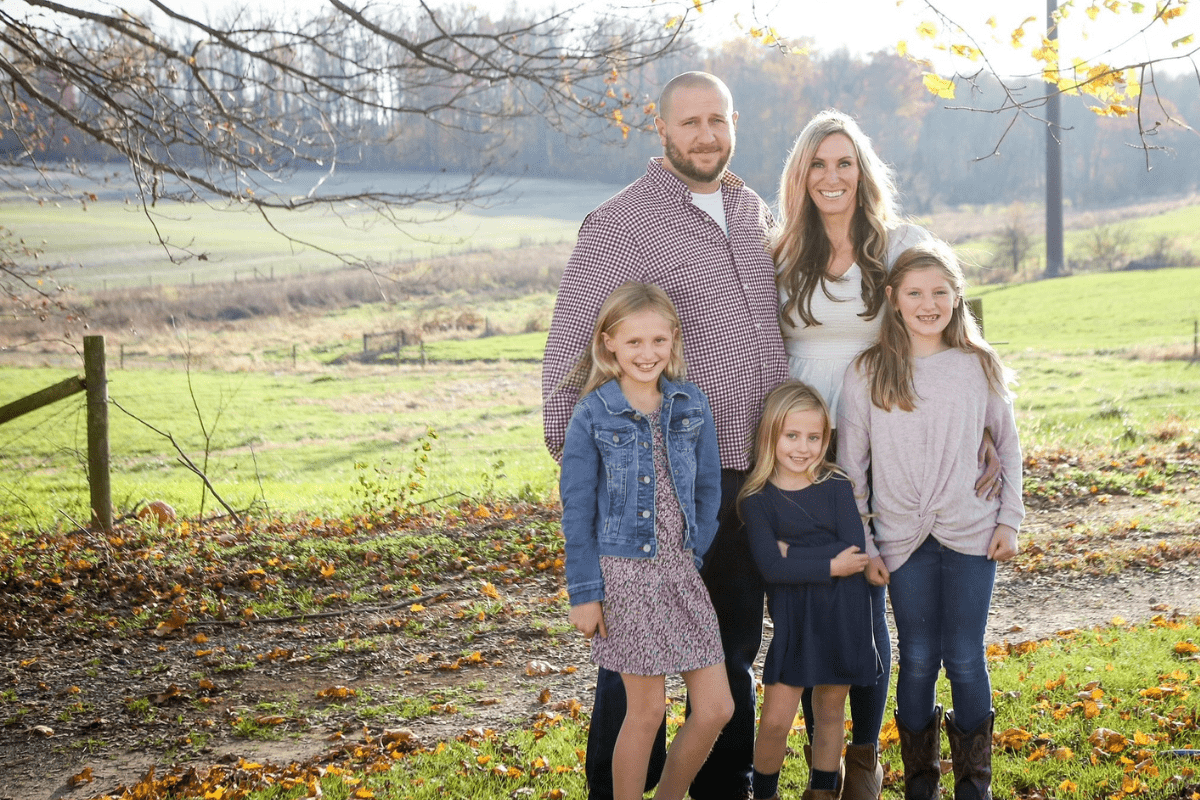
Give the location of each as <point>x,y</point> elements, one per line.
<point>232,325</point>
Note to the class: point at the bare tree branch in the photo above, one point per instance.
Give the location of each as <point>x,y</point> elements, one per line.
<point>228,112</point>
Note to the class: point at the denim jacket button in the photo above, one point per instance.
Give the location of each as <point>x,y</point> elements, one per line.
<point>645,548</point>
<point>646,513</point>
<point>645,479</point>
<point>645,444</point>
<point>687,422</point>
<point>616,439</point>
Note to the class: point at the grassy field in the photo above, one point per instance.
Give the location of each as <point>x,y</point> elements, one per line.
<point>1131,234</point>
<point>1097,313</point>
<point>291,441</point>
<point>110,244</point>
<point>1099,357</point>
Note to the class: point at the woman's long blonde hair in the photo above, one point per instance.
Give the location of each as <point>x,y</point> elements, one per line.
<point>888,363</point>
<point>781,401</point>
<point>801,247</point>
<point>597,365</point>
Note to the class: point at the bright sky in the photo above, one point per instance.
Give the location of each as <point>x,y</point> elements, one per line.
<point>866,26</point>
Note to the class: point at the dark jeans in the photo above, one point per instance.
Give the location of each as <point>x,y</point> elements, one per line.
<point>867,703</point>
<point>940,599</point>
<point>737,591</point>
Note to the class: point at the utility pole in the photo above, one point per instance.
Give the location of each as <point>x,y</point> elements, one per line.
<point>1054,194</point>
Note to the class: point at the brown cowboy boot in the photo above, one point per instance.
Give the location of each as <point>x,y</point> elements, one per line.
<point>921,752</point>
<point>971,752</point>
<point>864,773</point>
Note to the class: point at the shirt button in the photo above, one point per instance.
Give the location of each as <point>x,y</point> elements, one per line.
<point>645,548</point>
<point>645,479</point>
<point>645,514</point>
<point>645,444</point>
<point>687,422</point>
<point>637,416</point>
<point>616,438</point>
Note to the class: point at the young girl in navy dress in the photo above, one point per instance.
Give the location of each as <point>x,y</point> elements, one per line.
<point>641,484</point>
<point>807,538</point>
<point>913,409</point>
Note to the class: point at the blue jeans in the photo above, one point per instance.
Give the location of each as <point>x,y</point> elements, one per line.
<point>940,601</point>
<point>737,592</point>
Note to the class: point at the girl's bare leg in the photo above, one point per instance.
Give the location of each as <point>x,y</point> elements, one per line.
<point>780,702</point>
<point>646,698</point>
<point>829,726</point>
<point>712,707</point>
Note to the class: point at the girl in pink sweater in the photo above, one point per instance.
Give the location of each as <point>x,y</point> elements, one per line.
<point>913,410</point>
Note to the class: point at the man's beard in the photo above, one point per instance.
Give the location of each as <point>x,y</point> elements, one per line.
<point>688,168</point>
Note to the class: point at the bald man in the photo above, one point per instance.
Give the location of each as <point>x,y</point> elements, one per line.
<point>695,229</point>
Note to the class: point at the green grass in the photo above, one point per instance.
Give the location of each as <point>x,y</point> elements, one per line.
<point>1096,313</point>
<point>117,244</point>
<point>337,439</point>
<point>293,439</point>
<point>1104,401</point>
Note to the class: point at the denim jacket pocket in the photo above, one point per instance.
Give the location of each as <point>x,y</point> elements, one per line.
<point>683,433</point>
<point>617,444</point>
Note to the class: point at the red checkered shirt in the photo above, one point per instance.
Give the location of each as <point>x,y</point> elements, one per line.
<point>723,287</point>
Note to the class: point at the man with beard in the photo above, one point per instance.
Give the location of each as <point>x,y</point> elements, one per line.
<point>700,233</point>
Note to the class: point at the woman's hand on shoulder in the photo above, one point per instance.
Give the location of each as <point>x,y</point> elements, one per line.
<point>877,572</point>
<point>1004,543</point>
<point>990,480</point>
<point>588,619</point>
<point>850,561</point>
<point>783,547</point>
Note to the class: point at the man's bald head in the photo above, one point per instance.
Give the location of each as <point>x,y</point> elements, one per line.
<point>692,80</point>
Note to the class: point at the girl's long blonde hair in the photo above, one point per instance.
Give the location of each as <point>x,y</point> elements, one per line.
<point>597,365</point>
<point>888,363</point>
<point>802,249</point>
<point>781,401</point>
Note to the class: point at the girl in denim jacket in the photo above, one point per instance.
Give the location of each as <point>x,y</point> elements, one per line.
<point>641,484</point>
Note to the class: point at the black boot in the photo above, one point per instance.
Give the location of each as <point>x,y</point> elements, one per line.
<point>921,752</point>
<point>971,752</point>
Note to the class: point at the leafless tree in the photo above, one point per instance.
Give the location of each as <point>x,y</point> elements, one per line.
<point>226,111</point>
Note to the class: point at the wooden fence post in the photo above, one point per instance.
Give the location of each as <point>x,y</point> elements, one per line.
<point>95,376</point>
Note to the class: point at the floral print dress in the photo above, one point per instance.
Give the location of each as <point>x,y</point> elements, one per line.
<point>657,611</point>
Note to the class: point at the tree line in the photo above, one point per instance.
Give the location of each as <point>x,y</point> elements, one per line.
<point>195,106</point>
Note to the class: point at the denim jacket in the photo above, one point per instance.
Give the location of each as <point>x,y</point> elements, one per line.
<point>608,480</point>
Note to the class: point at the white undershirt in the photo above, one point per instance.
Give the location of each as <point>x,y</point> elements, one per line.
<point>712,205</point>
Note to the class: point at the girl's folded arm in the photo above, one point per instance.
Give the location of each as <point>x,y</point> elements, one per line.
<point>811,567</point>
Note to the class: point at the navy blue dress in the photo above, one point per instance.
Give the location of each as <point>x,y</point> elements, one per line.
<point>822,624</point>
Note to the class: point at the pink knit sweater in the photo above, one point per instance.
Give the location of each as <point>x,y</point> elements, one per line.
<point>924,463</point>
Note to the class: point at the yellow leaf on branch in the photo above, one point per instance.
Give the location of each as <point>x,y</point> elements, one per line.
<point>938,85</point>
<point>927,30</point>
<point>1168,14</point>
<point>1183,40</point>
